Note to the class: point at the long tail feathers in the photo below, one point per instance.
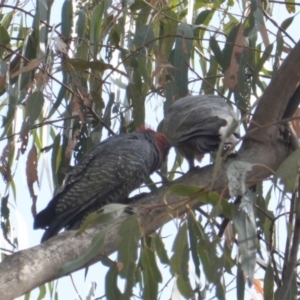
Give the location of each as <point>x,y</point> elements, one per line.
<point>44,217</point>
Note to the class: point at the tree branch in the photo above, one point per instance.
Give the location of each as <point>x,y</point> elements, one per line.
<point>274,101</point>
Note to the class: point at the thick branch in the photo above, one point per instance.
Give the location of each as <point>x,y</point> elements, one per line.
<point>275,99</point>
<point>292,105</point>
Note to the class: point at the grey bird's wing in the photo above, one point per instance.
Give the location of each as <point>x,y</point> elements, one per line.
<point>106,174</point>
<point>195,116</point>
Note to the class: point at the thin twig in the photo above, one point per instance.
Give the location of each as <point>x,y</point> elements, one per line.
<point>9,251</point>
<point>91,111</point>
<point>289,233</point>
<point>276,25</point>
<point>41,69</point>
<point>75,288</point>
<point>31,15</point>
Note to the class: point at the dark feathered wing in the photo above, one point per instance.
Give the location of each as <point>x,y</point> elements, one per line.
<point>108,173</point>
<point>198,117</point>
<point>195,125</point>
<point>205,114</point>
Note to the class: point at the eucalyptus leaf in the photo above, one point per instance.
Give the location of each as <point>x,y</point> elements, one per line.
<point>105,214</point>
<point>96,246</point>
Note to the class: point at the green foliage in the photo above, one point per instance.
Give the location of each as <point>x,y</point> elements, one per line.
<point>96,245</point>
<point>130,232</point>
<point>269,283</point>
<point>246,229</point>
<point>179,262</point>
<point>195,192</point>
<point>107,213</point>
<point>151,274</point>
<point>288,171</point>
<point>111,287</point>
<point>69,78</point>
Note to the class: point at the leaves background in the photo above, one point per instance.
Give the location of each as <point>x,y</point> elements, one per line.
<point>64,95</point>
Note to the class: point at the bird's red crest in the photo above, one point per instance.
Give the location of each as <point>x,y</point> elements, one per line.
<point>162,141</point>
<point>145,128</point>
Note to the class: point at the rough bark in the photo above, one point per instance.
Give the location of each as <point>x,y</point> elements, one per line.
<point>264,147</point>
